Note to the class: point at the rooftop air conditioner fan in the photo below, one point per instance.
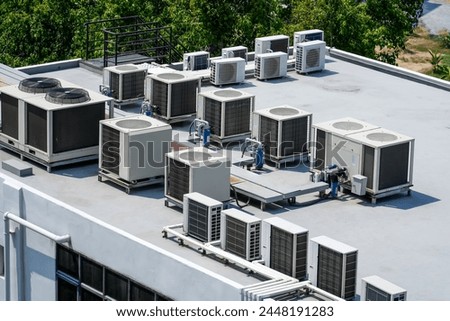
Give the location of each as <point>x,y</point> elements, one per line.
<point>228,113</point>
<point>310,56</point>
<point>67,96</point>
<point>285,247</point>
<point>196,170</point>
<point>227,71</point>
<point>235,52</point>
<point>201,217</point>
<point>241,234</point>
<point>272,44</point>
<point>133,147</point>
<point>198,60</point>
<point>333,267</point>
<point>284,131</point>
<point>174,95</point>
<point>37,85</point>
<point>125,82</point>
<point>270,65</point>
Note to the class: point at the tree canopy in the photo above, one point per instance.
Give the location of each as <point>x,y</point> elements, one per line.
<point>38,31</point>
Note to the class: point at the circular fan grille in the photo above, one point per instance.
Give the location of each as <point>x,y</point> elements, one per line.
<point>195,156</point>
<point>272,67</point>
<point>284,111</point>
<point>67,96</point>
<point>228,93</point>
<point>313,58</point>
<point>134,123</point>
<point>37,85</point>
<point>382,137</point>
<point>347,125</point>
<point>170,76</point>
<point>227,73</point>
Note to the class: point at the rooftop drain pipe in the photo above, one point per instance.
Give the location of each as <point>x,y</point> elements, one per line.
<point>7,217</point>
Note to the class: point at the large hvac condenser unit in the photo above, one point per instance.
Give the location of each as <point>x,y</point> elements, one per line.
<point>228,113</point>
<point>284,131</point>
<point>271,65</point>
<point>132,148</point>
<point>285,247</point>
<point>374,288</point>
<point>310,56</point>
<point>307,35</point>
<point>173,95</point>
<point>227,71</point>
<point>241,234</point>
<point>196,170</point>
<point>235,52</point>
<point>272,44</point>
<point>201,217</point>
<point>125,82</point>
<point>198,60</point>
<point>333,267</point>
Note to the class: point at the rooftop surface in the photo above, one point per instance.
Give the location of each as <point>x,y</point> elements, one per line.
<point>402,239</point>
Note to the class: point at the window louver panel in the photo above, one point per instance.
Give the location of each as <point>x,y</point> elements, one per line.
<point>178,179</point>
<point>184,98</point>
<point>237,117</point>
<point>213,115</point>
<point>10,116</point>
<point>198,220</point>
<point>268,135</point>
<point>294,136</point>
<point>160,96</point>
<point>36,127</point>
<point>133,85</point>
<point>329,271</point>
<point>236,235</point>
<point>110,149</point>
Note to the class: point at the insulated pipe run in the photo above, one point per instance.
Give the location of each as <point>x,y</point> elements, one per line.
<point>7,217</point>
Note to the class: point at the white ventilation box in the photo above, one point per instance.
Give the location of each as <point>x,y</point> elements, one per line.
<point>197,170</point>
<point>375,288</point>
<point>198,60</point>
<point>284,131</point>
<point>359,184</point>
<point>272,44</point>
<point>333,267</point>
<point>310,56</point>
<point>307,35</point>
<point>125,82</point>
<point>235,52</point>
<point>173,94</point>
<point>285,247</point>
<point>201,217</point>
<point>228,113</point>
<point>132,148</point>
<point>271,65</point>
<point>241,234</point>
<point>227,71</point>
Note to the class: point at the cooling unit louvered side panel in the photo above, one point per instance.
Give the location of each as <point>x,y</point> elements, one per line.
<point>271,67</point>
<point>375,294</point>
<point>329,270</point>
<point>160,96</point>
<point>213,115</point>
<point>236,237</point>
<point>198,220</point>
<point>215,223</point>
<point>299,60</point>
<point>36,133</point>
<point>214,72</point>
<point>227,73</point>
<point>115,85</point>
<point>294,136</point>
<point>279,45</point>
<point>258,61</point>
<point>312,59</point>
<point>350,275</point>
<point>268,135</point>
<point>177,179</point>
<point>281,251</point>
<point>10,116</point>
<point>133,85</point>
<point>184,98</point>
<point>237,117</point>
<point>200,62</point>
<point>254,247</point>
<point>240,53</point>
<point>301,256</point>
<point>110,149</point>
<point>320,149</point>
<point>394,165</point>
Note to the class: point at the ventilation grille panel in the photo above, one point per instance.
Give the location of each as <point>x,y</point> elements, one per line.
<point>36,131</point>
<point>237,117</point>
<point>215,223</point>
<point>294,136</point>
<point>198,220</point>
<point>200,62</point>
<point>236,236</point>
<point>375,294</point>
<point>110,149</point>
<point>213,115</point>
<point>37,85</point>
<point>177,179</point>
<point>394,163</point>
<point>313,58</point>
<point>279,45</point>
<point>255,242</point>
<point>160,96</point>
<point>329,271</point>
<point>281,251</point>
<point>271,67</point>
<point>184,98</point>
<point>67,96</point>
<point>227,73</point>
<point>10,116</point>
<point>350,276</point>
<point>133,85</point>
<point>268,135</point>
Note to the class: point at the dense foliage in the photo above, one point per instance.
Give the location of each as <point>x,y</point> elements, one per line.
<point>37,31</point>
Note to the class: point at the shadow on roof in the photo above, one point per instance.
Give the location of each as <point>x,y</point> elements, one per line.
<point>400,201</point>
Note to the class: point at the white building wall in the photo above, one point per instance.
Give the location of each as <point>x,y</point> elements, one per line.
<point>32,256</point>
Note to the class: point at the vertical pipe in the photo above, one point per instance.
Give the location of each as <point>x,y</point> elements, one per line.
<point>7,260</point>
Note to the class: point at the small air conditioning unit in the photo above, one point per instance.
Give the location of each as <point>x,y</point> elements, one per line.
<point>284,131</point>
<point>375,288</point>
<point>271,65</point>
<point>285,247</point>
<point>12,106</point>
<point>125,82</point>
<point>174,95</point>
<point>307,35</point>
<point>310,56</point>
<point>228,113</point>
<point>333,267</point>
<point>201,217</point>
<point>235,52</point>
<point>132,148</point>
<point>198,60</point>
<point>196,170</point>
<point>272,44</point>
<point>227,71</point>
<point>241,234</point>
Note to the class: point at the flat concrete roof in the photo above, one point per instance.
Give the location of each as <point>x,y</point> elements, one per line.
<point>402,239</point>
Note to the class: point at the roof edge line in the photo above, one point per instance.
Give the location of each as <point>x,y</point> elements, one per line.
<point>50,66</point>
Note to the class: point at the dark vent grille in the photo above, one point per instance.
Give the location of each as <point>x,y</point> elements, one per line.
<point>177,179</point>
<point>375,294</point>
<point>201,62</point>
<point>258,67</point>
<point>236,236</point>
<point>237,117</point>
<point>394,161</point>
<point>198,220</point>
<point>227,73</point>
<point>254,251</point>
<point>350,276</point>
<point>160,96</point>
<point>301,257</point>
<point>268,135</point>
<point>184,98</point>
<point>299,59</point>
<point>114,84</point>
<point>215,223</point>
<point>37,85</point>
<point>320,150</point>
<point>36,135</point>
<point>110,149</point>
<point>271,67</point>
<point>329,271</point>
<point>67,96</point>
<point>213,115</point>
<point>280,45</point>
<point>313,36</point>
<point>294,136</point>
<point>10,116</point>
<point>369,159</point>
<point>132,85</point>
<point>313,58</point>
